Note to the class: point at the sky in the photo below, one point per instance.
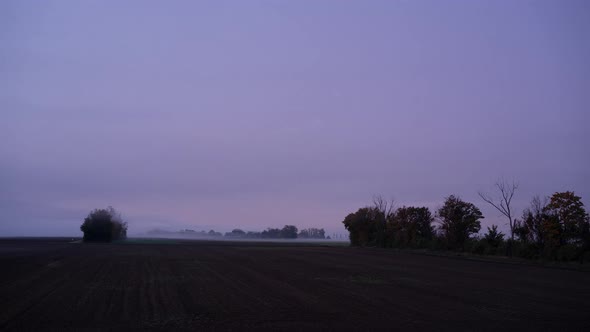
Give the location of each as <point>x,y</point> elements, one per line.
<point>254,114</point>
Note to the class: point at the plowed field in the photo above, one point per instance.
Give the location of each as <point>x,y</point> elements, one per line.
<point>199,285</point>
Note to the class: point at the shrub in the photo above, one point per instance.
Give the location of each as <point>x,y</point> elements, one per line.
<point>527,250</point>
<point>437,243</point>
<point>479,247</point>
<point>568,252</point>
<point>104,225</point>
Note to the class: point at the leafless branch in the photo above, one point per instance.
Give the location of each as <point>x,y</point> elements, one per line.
<point>504,202</point>
<point>383,206</point>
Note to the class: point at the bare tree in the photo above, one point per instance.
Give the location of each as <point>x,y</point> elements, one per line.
<point>530,227</point>
<point>503,203</point>
<point>384,210</point>
<point>383,206</point>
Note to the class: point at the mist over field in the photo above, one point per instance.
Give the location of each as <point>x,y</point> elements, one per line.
<point>199,115</point>
<point>294,165</point>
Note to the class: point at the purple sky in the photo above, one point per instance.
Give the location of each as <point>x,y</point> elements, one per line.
<point>251,114</point>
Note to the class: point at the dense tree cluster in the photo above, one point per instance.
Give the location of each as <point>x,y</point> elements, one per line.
<point>554,228</point>
<point>104,225</point>
<point>412,227</point>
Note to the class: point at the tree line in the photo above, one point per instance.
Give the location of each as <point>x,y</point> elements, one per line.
<point>106,225</point>
<point>556,227</point>
<point>287,232</point>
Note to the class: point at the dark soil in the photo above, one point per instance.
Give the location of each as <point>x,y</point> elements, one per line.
<point>193,285</point>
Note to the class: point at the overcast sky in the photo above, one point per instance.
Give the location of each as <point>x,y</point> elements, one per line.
<point>250,114</point>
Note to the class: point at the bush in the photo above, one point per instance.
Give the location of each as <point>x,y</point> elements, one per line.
<point>437,243</point>
<point>527,250</point>
<point>479,247</point>
<point>568,252</point>
<point>504,248</point>
<point>104,225</point>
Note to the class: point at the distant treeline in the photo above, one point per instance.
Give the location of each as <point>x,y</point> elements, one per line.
<point>287,232</point>
<point>555,228</point>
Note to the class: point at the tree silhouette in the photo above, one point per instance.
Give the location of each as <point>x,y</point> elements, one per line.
<point>458,221</point>
<point>236,233</point>
<point>383,211</point>
<point>312,233</point>
<point>493,237</point>
<point>104,225</point>
<point>568,210</point>
<point>410,227</point>
<point>503,204</point>
<point>529,229</point>
<point>289,232</point>
<point>361,226</point>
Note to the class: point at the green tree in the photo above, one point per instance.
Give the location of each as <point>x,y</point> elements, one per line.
<point>458,221</point>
